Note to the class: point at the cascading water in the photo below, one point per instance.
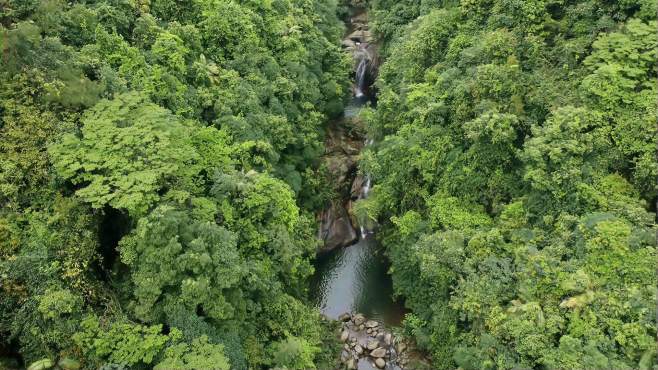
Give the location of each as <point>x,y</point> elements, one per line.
<point>365,189</point>
<point>360,77</point>
<point>354,278</point>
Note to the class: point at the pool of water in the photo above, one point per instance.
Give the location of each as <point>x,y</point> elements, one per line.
<point>355,279</point>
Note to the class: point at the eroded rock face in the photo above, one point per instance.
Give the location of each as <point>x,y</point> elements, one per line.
<point>336,229</point>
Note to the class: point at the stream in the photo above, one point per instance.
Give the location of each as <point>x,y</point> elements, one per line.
<point>351,281</point>
<point>355,278</point>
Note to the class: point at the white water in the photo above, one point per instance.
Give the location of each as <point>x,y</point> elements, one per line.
<point>365,190</point>
<point>361,71</point>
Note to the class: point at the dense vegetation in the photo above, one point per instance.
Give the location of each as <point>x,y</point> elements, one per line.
<point>514,171</point>
<point>159,174</point>
<point>158,177</point>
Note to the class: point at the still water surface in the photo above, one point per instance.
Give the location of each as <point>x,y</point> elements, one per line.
<point>355,279</point>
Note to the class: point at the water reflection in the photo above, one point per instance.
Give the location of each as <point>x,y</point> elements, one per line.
<point>354,279</point>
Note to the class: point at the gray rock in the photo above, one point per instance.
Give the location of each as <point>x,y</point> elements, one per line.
<point>380,363</point>
<point>372,344</point>
<point>358,349</point>
<point>378,352</point>
<point>344,355</point>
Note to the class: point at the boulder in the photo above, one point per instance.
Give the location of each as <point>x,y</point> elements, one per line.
<point>336,228</point>
<point>348,44</point>
<point>344,336</point>
<point>378,352</point>
<point>371,324</point>
<point>361,36</point>
<point>344,355</point>
<point>380,363</point>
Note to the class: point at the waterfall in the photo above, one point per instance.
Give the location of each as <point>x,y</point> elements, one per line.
<point>365,189</point>
<point>361,71</point>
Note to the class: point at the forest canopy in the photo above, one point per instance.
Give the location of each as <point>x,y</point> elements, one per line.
<point>161,172</point>
<point>159,165</point>
<point>515,179</point>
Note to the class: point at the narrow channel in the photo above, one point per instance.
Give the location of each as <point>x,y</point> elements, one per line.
<point>354,278</point>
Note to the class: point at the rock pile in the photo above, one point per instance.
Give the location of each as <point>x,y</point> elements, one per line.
<point>368,341</point>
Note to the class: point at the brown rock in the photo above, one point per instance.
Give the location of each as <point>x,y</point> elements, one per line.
<point>336,228</point>
<point>380,363</point>
<point>378,352</point>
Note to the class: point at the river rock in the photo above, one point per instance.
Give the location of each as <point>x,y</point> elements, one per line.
<point>369,331</point>
<point>344,317</point>
<point>344,336</point>
<point>371,324</point>
<point>372,344</point>
<point>378,352</point>
<point>380,363</point>
<point>361,327</point>
<point>401,347</point>
<point>344,355</point>
<point>358,319</point>
<point>387,339</point>
<point>351,364</point>
<point>358,349</point>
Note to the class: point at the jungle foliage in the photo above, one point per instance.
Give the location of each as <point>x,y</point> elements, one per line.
<point>159,166</point>
<point>515,179</point>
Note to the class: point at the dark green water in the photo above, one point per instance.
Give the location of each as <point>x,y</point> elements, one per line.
<point>355,279</point>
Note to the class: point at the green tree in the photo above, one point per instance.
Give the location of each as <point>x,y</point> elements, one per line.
<point>127,151</point>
